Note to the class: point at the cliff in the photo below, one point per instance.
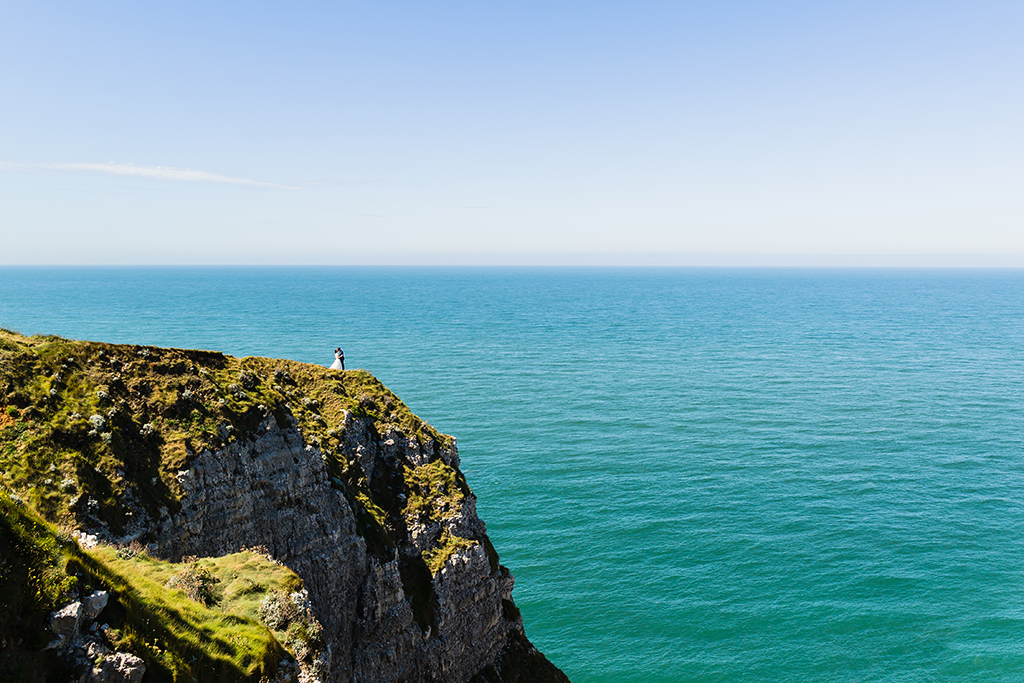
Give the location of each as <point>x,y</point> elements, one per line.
<point>195,464</point>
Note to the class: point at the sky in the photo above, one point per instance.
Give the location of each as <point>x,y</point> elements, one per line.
<point>598,133</point>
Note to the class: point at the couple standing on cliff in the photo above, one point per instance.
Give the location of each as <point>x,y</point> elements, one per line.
<point>339,359</point>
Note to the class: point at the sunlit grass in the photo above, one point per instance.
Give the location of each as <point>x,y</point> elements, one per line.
<point>178,638</point>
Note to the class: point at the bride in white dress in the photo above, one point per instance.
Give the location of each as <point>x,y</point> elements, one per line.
<point>339,359</point>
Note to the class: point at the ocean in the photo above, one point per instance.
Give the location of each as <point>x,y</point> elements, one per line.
<point>694,474</point>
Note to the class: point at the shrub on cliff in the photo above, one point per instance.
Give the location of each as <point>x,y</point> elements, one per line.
<point>290,617</point>
<point>277,610</point>
<point>196,581</point>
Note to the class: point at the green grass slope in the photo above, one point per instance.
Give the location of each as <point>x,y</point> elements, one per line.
<point>179,638</point>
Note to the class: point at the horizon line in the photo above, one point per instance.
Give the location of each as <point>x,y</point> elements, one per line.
<point>608,266</point>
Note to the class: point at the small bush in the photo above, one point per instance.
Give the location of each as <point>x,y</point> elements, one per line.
<point>260,550</point>
<point>131,551</point>
<point>303,634</point>
<point>278,610</point>
<point>12,411</point>
<point>197,582</point>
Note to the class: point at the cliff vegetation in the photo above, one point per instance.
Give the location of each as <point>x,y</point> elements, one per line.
<point>179,637</point>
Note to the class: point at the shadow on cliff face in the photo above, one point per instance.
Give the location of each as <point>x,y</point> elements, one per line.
<point>383,526</point>
<point>520,662</point>
<point>418,586</point>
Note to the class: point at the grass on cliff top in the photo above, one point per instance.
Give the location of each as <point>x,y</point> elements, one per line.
<point>178,638</point>
<point>102,429</point>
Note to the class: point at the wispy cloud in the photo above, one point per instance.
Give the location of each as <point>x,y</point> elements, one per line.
<point>161,172</point>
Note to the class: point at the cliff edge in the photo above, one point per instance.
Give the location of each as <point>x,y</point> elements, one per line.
<point>167,463</point>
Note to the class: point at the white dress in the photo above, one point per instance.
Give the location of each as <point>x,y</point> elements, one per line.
<point>336,365</point>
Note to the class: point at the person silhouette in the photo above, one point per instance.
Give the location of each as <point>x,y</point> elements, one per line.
<point>339,359</point>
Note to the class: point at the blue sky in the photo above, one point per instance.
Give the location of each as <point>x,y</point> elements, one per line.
<point>470,132</point>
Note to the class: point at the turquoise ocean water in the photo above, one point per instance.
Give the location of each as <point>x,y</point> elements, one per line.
<point>695,475</point>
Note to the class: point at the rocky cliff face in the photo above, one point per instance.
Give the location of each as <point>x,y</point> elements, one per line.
<point>274,490</point>
<point>328,471</point>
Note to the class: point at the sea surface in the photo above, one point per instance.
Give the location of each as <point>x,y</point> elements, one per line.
<point>695,475</point>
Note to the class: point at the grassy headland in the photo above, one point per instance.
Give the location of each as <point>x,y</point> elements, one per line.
<point>94,433</point>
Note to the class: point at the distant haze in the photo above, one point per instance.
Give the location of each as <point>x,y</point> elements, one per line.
<point>643,133</point>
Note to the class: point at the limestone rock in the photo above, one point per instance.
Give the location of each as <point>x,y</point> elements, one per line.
<point>95,603</point>
<point>119,667</point>
<point>386,618</point>
<point>64,623</point>
<point>94,650</point>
